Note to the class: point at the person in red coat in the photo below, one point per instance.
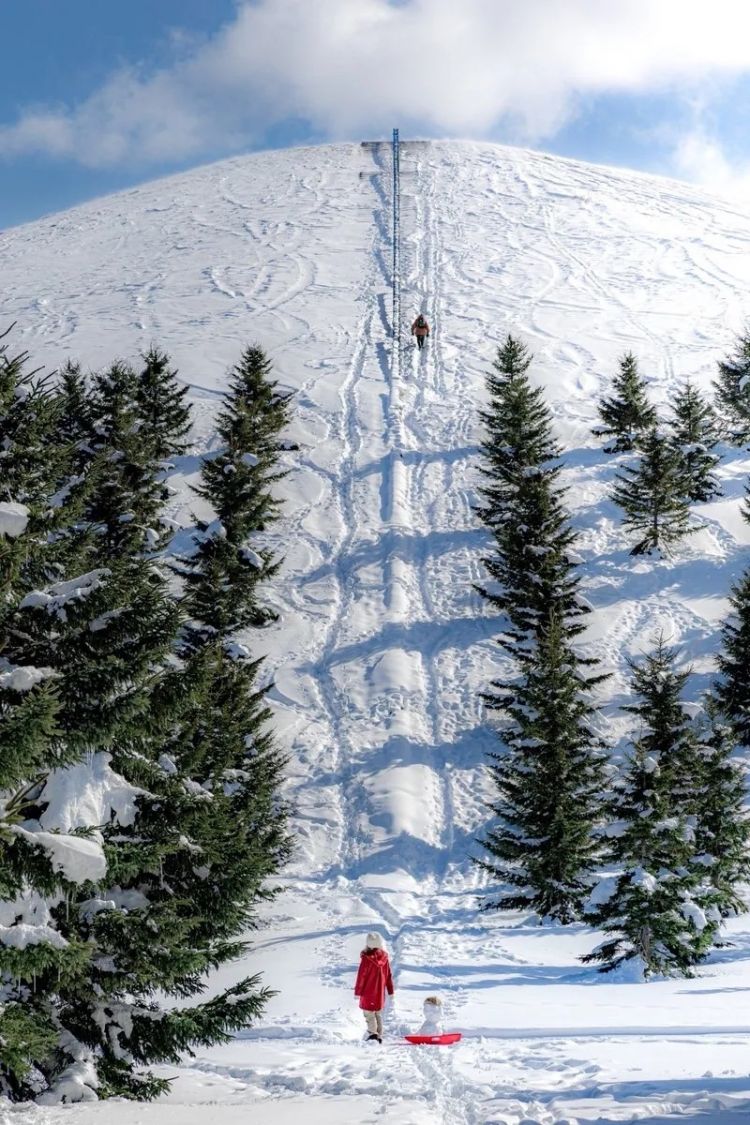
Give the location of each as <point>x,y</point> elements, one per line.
<point>373,981</point>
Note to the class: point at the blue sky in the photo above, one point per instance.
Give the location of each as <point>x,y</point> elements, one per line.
<point>66,49</point>
<point>96,96</point>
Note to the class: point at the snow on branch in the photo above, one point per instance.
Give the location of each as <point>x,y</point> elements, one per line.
<point>62,593</point>
<point>14,519</point>
<point>78,858</point>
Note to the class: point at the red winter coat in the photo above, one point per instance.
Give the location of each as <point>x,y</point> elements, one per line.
<point>422,329</point>
<point>373,980</point>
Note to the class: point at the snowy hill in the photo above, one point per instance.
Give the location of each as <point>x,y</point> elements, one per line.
<point>382,645</point>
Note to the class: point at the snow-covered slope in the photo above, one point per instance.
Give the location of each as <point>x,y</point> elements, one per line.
<point>382,644</point>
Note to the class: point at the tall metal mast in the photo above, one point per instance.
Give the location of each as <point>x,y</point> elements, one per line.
<point>396,315</point>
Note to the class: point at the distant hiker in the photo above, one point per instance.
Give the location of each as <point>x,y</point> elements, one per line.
<point>373,981</point>
<point>421,329</point>
<point>433,1016</point>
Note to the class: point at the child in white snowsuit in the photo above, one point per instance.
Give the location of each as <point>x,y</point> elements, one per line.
<point>433,1016</point>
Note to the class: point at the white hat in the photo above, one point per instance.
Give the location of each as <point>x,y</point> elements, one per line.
<point>373,941</point>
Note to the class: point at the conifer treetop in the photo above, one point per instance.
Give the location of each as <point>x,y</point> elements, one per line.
<point>694,432</point>
<point>732,392</point>
<point>652,495</point>
<point>518,421</point>
<point>229,564</point>
<point>163,412</point>
<point>626,414</point>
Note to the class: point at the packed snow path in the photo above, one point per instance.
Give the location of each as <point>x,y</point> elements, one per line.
<point>382,644</point>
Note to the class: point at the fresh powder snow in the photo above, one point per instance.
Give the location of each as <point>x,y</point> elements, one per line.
<point>382,645</point>
<point>14,519</point>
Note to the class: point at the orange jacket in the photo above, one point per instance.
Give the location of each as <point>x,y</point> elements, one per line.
<point>420,329</point>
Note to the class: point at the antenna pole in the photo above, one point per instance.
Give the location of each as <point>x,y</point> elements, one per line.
<point>396,314</point>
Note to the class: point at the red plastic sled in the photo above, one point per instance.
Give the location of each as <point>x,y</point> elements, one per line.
<point>438,1040</point>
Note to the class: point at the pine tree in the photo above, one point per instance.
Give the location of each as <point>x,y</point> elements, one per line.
<point>130,494</point>
<point>550,777</point>
<point>223,733</point>
<point>732,688</point>
<point>627,414</point>
<point>126,906</point>
<point>517,422</point>
<point>223,577</point>
<point>75,422</point>
<point>723,828</point>
<point>37,870</point>
<point>732,393</point>
<point>158,924</point>
<point>163,412</point>
<point>187,867</point>
<point>544,843</point>
<point>30,460</point>
<point>100,638</point>
<point>28,736</point>
<point>522,501</point>
<point>693,435</point>
<point>654,917</point>
<point>34,512</point>
<point>651,494</point>
<point>206,867</point>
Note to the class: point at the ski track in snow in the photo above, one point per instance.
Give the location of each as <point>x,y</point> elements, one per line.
<point>382,644</point>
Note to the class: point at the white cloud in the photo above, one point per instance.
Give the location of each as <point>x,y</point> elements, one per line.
<point>701,158</point>
<point>354,66</point>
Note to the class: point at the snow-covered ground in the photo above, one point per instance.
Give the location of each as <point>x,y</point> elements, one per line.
<point>382,644</point>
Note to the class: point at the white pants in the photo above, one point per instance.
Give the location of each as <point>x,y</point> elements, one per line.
<point>374,1021</point>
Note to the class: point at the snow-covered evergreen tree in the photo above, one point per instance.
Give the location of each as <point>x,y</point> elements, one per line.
<point>522,503</point>
<point>123,424</point>
<point>694,434</point>
<point>75,423</point>
<point>232,818</point>
<point>517,421</point>
<point>220,768</point>
<point>550,779</point>
<point>226,571</point>
<point>30,459</point>
<point>113,852</point>
<point>732,688</point>
<point>33,517</point>
<point>38,869</point>
<point>543,846</point>
<point>732,393</point>
<point>223,597</point>
<point>626,414</point>
<point>200,825</point>
<point>28,710</point>
<point>654,916</point>
<point>94,642</point>
<point>130,494</point>
<point>651,493</point>
<point>163,412</point>
<point>723,828</point>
